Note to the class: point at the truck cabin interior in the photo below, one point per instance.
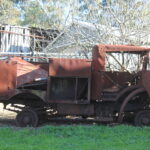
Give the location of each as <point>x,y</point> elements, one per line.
<point>122,68</point>
<point>116,67</point>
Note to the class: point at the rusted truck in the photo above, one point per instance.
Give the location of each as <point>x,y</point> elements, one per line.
<point>112,86</point>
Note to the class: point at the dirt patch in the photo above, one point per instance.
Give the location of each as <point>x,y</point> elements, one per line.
<point>7,118</point>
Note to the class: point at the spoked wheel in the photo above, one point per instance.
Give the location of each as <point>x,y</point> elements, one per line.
<point>27,118</point>
<point>142,118</point>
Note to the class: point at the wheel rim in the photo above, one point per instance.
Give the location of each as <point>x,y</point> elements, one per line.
<point>27,118</point>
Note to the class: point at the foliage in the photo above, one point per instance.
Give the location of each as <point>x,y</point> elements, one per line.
<point>8,13</point>
<point>43,13</point>
<point>75,138</point>
<point>130,19</point>
<point>90,21</point>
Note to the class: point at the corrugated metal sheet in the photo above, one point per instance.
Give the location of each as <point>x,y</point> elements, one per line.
<point>14,39</point>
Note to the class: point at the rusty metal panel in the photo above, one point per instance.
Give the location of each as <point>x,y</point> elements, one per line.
<point>98,67</point>
<point>70,67</point>
<point>42,65</point>
<point>7,76</point>
<point>123,48</point>
<point>146,81</point>
<point>75,109</point>
<point>27,72</point>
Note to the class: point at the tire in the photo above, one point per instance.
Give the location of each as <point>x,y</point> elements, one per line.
<point>142,118</point>
<point>27,118</point>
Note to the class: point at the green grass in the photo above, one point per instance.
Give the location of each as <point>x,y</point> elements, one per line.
<point>75,138</point>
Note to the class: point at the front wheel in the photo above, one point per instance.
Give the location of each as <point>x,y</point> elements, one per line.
<point>27,118</point>
<point>142,118</point>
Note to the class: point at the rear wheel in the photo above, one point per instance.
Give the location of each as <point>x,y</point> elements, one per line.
<point>27,118</point>
<point>142,118</point>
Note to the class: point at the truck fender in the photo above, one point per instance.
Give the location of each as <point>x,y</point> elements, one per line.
<point>126,100</point>
<point>126,90</point>
<point>39,94</point>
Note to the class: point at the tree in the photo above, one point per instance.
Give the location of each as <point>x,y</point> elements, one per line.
<point>8,13</point>
<point>104,21</point>
<point>124,21</point>
<point>44,13</point>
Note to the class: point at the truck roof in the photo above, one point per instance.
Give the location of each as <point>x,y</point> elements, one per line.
<point>121,48</point>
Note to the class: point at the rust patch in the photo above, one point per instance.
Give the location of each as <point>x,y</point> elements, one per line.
<point>27,72</point>
<point>7,76</point>
<point>124,48</point>
<point>69,67</point>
